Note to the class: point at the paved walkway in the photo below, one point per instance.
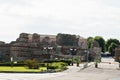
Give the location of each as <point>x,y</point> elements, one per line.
<point>105,71</point>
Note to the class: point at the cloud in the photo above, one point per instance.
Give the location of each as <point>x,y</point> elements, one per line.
<point>84,17</point>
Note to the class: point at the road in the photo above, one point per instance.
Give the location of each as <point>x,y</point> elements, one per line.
<point>107,71</point>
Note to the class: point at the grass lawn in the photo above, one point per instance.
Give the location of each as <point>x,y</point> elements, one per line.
<point>20,69</point>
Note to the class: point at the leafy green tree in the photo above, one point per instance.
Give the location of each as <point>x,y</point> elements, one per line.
<point>101,42</point>
<point>112,48</point>
<point>77,60</point>
<point>90,41</point>
<point>96,61</point>
<point>109,42</point>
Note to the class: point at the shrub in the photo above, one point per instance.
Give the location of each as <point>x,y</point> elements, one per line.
<point>32,64</point>
<point>9,64</point>
<point>57,65</point>
<point>68,62</point>
<point>63,65</point>
<point>42,64</point>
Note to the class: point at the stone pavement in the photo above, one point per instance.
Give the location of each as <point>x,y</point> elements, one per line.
<point>74,68</point>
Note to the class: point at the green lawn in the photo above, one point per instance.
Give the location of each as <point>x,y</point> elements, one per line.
<point>20,69</point>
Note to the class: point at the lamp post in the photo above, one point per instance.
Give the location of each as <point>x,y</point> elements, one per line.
<point>87,55</point>
<point>48,49</point>
<point>11,59</point>
<point>73,52</point>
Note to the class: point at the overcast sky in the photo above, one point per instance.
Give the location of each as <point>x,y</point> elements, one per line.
<point>80,17</point>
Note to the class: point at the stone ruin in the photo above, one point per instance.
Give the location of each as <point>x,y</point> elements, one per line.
<point>27,46</point>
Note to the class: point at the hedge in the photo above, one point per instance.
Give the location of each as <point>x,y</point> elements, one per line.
<point>9,64</point>
<point>64,61</point>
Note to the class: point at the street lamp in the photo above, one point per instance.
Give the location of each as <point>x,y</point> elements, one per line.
<point>48,49</point>
<point>11,59</point>
<point>73,52</point>
<point>87,55</point>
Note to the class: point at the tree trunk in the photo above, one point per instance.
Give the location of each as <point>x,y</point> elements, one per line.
<point>96,65</point>
<point>77,64</point>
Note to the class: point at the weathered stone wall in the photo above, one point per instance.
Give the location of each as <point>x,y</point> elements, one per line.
<point>20,51</point>
<point>82,42</point>
<point>36,38</point>
<point>29,46</point>
<point>97,51</point>
<point>23,37</point>
<point>1,42</point>
<point>117,54</point>
<point>4,52</point>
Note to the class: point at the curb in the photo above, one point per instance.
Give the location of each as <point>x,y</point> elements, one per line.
<point>87,65</point>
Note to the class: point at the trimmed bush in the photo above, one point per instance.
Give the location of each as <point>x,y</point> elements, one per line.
<point>57,65</point>
<point>9,64</point>
<point>42,64</point>
<point>68,62</point>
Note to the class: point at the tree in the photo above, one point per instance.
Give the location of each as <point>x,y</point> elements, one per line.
<point>77,60</point>
<point>101,42</point>
<point>90,41</point>
<point>112,48</point>
<point>110,41</point>
<point>32,64</point>
<point>96,61</point>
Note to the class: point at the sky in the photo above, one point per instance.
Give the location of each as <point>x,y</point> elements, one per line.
<point>81,17</point>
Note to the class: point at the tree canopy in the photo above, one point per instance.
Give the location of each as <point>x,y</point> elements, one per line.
<point>90,41</point>
<point>112,47</point>
<point>110,41</point>
<point>108,45</point>
<point>101,42</point>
